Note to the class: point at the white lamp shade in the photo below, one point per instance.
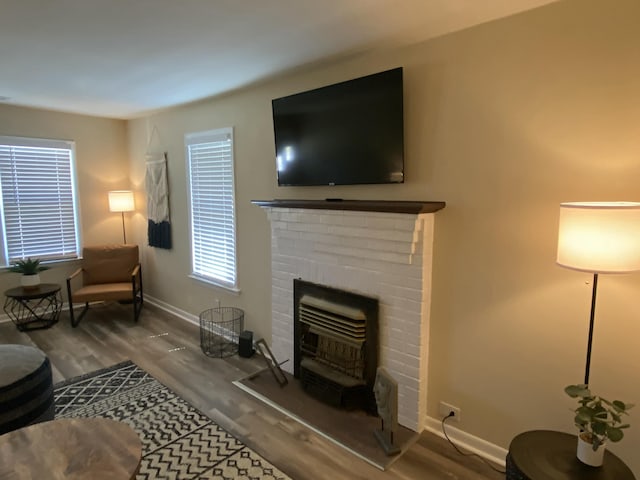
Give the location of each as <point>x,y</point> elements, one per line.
<point>121,201</point>
<point>599,237</point>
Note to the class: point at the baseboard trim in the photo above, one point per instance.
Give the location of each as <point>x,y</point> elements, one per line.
<point>468,442</point>
<point>4,318</point>
<point>189,317</point>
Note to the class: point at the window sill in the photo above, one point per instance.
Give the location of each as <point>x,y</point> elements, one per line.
<point>209,281</point>
<point>46,263</point>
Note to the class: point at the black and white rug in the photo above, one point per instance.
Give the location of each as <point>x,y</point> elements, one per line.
<point>178,441</point>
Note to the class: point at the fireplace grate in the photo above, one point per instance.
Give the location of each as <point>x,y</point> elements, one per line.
<point>340,356</point>
<point>330,387</point>
<point>333,334</point>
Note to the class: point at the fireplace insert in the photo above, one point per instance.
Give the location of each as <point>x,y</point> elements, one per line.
<point>336,345</point>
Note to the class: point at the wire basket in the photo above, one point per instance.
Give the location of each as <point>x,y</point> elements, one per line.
<point>219,331</point>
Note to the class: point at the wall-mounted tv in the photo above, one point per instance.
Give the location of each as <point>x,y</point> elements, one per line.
<point>343,134</point>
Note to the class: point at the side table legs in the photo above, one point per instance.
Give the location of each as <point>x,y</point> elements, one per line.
<point>34,314</point>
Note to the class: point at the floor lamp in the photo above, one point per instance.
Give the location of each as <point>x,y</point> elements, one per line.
<point>599,237</point>
<point>121,201</point>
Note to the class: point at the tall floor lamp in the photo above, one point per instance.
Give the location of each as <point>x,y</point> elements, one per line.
<point>121,201</point>
<point>599,237</point>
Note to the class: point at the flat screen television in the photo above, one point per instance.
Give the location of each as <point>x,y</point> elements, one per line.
<point>344,134</point>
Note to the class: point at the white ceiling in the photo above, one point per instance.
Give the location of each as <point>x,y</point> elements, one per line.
<point>125,58</point>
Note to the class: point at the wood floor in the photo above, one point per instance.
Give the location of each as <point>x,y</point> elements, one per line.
<point>169,349</point>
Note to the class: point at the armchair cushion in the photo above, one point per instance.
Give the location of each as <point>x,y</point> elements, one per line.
<point>105,292</point>
<point>108,264</point>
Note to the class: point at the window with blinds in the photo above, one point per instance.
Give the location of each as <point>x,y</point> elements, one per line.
<point>39,213</point>
<point>212,206</point>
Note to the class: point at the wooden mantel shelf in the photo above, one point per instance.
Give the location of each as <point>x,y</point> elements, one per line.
<point>390,206</point>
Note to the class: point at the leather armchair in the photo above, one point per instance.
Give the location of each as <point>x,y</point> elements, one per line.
<point>108,273</point>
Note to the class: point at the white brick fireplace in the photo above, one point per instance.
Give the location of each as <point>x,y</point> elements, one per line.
<point>382,254</point>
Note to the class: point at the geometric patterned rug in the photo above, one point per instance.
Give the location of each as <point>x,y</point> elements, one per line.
<point>178,441</point>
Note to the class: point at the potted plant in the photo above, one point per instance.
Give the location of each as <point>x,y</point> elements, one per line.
<point>599,420</point>
<point>30,270</point>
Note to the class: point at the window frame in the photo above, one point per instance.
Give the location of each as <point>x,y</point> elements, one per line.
<point>26,142</point>
<point>199,138</point>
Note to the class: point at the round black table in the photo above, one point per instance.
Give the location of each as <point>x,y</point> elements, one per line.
<point>33,308</point>
<point>548,455</point>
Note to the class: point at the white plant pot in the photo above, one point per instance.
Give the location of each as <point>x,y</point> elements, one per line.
<point>30,281</point>
<point>588,456</point>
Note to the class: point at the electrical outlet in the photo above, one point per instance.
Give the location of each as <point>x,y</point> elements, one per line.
<point>444,409</point>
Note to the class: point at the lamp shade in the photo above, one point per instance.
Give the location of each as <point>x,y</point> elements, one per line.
<point>121,201</point>
<point>599,237</point>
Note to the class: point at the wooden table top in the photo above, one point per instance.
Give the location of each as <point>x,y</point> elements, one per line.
<point>71,449</point>
<point>40,291</point>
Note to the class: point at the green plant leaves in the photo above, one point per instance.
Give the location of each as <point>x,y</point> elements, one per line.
<point>621,406</point>
<point>28,267</point>
<point>598,417</point>
<point>584,415</point>
<point>577,391</point>
<point>615,434</point>
<point>599,428</point>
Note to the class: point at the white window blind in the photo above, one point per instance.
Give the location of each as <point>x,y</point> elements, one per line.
<point>212,205</point>
<point>39,215</point>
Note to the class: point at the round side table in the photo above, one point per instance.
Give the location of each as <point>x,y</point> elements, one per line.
<point>33,308</point>
<point>548,455</point>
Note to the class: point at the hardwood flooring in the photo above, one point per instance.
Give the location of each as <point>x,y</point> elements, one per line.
<point>169,349</point>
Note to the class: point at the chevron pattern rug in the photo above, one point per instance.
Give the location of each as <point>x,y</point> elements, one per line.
<point>178,441</point>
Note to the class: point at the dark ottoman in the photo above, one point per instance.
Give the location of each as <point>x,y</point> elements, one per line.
<point>26,389</point>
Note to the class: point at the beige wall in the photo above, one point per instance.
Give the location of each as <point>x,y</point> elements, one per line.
<point>101,165</point>
<point>503,122</point>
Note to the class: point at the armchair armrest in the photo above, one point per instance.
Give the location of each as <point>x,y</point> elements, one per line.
<point>135,270</point>
<point>69,290</point>
<point>74,274</point>
<point>137,286</point>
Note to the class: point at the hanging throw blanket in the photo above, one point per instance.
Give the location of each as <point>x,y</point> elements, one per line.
<point>159,228</point>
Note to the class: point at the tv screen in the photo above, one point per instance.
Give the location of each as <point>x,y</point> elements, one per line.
<point>343,134</point>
